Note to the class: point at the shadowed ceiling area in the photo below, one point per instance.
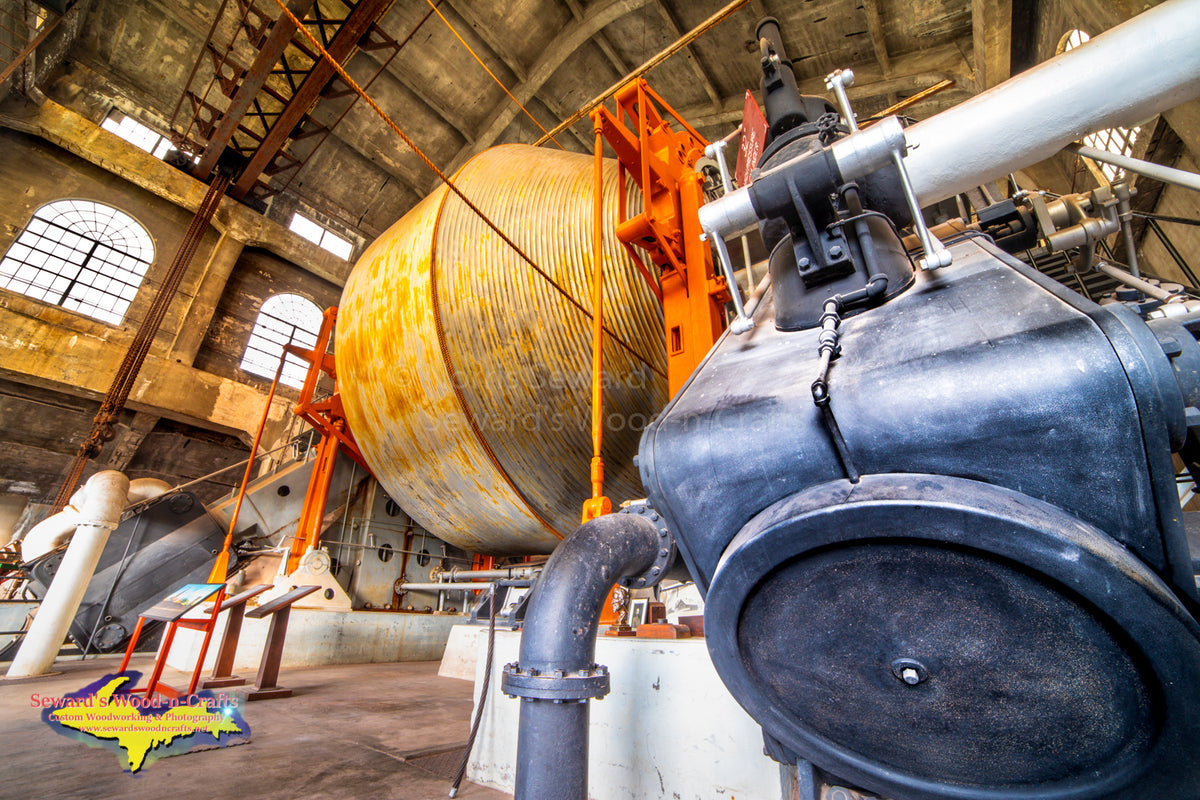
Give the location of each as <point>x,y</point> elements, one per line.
<point>444,71</point>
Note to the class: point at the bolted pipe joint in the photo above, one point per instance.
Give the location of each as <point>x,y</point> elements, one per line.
<point>557,675</point>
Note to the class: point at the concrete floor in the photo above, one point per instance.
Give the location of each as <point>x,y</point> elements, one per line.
<point>344,734</point>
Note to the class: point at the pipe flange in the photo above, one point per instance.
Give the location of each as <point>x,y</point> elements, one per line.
<point>666,549</point>
<point>560,686</point>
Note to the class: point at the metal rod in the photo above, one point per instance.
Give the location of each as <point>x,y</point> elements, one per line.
<point>1178,177</point>
<point>759,291</point>
<point>675,47</point>
<point>511,572</point>
<point>1173,251</point>
<point>394,550</point>
<point>909,102</point>
<point>444,587</point>
<point>29,48</point>
<point>137,506</point>
<point>1145,287</point>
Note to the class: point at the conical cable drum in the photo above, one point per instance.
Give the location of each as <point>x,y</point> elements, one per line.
<point>466,375</point>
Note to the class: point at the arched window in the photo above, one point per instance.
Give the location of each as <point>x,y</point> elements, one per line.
<point>81,255</point>
<point>283,319</point>
<point>1114,140</point>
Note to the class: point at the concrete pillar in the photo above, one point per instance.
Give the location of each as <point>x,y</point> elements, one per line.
<point>203,305</point>
<point>99,516</point>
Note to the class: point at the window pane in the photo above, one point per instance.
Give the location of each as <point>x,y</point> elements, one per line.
<point>66,235</point>
<point>283,319</point>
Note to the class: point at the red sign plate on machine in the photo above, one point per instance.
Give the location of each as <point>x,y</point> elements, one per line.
<point>754,137</point>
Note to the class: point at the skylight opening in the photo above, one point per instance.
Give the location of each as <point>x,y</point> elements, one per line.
<point>139,135</point>
<point>321,236</point>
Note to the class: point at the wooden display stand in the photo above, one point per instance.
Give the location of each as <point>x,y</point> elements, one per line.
<point>265,687</point>
<point>222,674</point>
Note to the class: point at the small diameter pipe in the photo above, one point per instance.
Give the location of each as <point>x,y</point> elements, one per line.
<point>1145,287</point>
<point>444,587</point>
<point>454,573</point>
<point>1178,177</point>
<point>560,634</point>
<point>221,565</point>
<point>597,504</point>
<point>99,516</point>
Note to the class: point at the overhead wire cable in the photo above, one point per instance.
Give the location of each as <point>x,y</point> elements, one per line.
<point>458,192</point>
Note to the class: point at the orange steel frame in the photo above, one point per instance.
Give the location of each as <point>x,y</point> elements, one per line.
<point>329,419</point>
<point>693,296</point>
<point>663,162</point>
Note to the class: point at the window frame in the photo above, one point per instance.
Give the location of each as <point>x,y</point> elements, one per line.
<point>265,345</point>
<point>77,243</point>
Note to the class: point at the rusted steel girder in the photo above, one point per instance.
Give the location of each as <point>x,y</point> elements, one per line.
<point>341,48</point>
<point>253,81</point>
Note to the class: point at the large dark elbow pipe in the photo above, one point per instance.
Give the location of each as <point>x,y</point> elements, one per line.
<point>557,674</point>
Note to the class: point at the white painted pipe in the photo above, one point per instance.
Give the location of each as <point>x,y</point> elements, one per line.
<point>98,517</point>
<point>141,489</point>
<point>1179,177</point>
<point>49,534</point>
<point>55,531</point>
<point>1124,76</point>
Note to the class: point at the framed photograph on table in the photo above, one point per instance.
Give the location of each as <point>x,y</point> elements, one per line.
<point>637,611</point>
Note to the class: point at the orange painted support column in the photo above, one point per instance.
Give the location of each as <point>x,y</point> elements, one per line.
<point>308,530</point>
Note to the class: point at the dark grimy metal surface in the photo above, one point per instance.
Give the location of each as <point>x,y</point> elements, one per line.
<point>172,542</point>
<point>976,371</point>
<point>1047,660</point>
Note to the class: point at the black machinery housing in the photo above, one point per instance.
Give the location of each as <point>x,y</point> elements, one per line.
<point>964,574</point>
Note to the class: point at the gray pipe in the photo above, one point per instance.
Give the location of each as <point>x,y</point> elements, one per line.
<point>1133,281</point>
<point>454,573</point>
<point>1179,177</point>
<point>558,649</point>
<point>444,587</point>
<point>1122,77</point>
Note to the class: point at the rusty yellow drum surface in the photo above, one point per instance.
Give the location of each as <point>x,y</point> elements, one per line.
<point>466,375</point>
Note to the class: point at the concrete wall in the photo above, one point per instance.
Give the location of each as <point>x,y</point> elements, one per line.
<point>257,276</point>
<point>186,415</point>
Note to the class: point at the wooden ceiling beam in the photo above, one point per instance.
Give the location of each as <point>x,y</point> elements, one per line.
<point>991,35</point>
<point>600,14</point>
<point>693,57</point>
<point>878,42</point>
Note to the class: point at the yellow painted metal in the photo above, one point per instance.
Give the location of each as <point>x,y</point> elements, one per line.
<point>466,376</point>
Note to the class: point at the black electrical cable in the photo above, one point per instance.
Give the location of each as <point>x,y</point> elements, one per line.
<point>487,677</point>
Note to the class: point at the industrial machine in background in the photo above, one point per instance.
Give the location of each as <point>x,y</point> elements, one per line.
<point>929,498</point>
